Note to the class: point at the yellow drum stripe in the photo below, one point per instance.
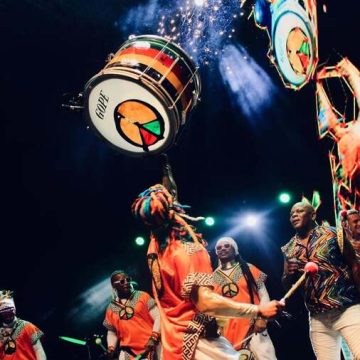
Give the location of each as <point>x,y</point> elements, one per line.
<point>155,64</point>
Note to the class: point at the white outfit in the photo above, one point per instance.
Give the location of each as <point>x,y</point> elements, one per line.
<point>326,330</point>
<point>219,348</point>
<point>261,344</point>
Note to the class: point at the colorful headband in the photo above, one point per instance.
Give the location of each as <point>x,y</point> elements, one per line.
<point>156,208</point>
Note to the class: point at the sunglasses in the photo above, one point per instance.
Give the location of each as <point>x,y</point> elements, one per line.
<point>225,246</point>
<point>123,281</point>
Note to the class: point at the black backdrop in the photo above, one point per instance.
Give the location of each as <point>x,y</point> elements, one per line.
<point>66,223</point>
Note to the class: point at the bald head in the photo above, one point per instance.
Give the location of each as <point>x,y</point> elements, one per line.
<point>302,217</point>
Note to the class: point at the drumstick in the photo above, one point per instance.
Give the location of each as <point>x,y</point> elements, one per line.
<point>310,268</point>
<point>247,338</point>
<point>99,343</point>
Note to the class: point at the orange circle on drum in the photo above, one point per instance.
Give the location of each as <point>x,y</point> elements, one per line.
<point>298,51</point>
<point>139,123</point>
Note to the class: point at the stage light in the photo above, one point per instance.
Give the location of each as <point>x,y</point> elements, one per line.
<point>209,221</point>
<point>199,2</point>
<point>73,340</point>
<point>284,198</point>
<point>251,88</point>
<point>140,241</point>
<point>86,306</point>
<point>251,220</point>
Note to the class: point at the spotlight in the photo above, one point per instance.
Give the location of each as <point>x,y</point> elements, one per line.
<point>199,2</point>
<point>140,241</point>
<point>209,221</point>
<point>251,220</point>
<point>284,198</point>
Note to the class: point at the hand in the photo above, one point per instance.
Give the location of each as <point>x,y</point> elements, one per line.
<point>292,266</point>
<point>271,309</point>
<point>150,346</point>
<point>260,326</point>
<point>110,353</point>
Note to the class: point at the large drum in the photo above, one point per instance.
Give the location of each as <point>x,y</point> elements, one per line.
<point>292,27</point>
<point>142,97</point>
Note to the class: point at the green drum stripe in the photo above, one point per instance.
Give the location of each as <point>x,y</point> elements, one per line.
<point>153,127</point>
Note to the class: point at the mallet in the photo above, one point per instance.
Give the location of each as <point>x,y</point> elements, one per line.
<point>310,268</point>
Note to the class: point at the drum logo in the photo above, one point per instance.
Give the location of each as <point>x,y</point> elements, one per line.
<point>101,105</point>
<point>139,123</point>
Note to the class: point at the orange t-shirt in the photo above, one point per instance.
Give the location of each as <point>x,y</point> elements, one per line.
<point>234,286</point>
<point>177,270</point>
<point>25,336</point>
<point>131,322</point>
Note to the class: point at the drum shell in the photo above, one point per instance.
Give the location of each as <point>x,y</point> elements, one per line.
<point>159,68</point>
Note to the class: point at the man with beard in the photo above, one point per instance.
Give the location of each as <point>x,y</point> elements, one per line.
<point>19,339</point>
<point>332,296</point>
<point>132,319</point>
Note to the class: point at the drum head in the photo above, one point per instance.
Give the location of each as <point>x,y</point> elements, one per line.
<point>294,44</point>
<point>245,354</point>
<point>129,115</point>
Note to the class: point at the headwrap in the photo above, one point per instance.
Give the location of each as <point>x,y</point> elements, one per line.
<point>6,301</point>
<point>227,240</point>
<point>156,208</point>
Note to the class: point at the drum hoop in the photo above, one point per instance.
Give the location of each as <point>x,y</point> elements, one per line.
<point>190,64</point>
<point>181,51</point>
<point>139,75</point>
<point>173,120</point>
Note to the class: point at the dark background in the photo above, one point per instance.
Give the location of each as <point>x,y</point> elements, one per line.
<point>66,195</point>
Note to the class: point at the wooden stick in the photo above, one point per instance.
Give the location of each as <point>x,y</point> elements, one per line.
<point>295,286</point>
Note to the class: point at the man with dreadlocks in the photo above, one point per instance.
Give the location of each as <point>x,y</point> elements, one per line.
<point>19,339</point>
<point>236,279</point>
<point>183,283</point>
<point>132,319</point>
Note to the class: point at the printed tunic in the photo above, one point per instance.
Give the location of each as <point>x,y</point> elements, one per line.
<point>177,271</point>
<point>233,285</point>
<point>332,287</point>
<point>25,335</point>
<point>131,321</point>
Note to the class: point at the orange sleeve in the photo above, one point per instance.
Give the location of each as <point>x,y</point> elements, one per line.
<point>150,302</point>
<point>108,323</point>
<point>34,333</point>
<point>193,269</point>
<point>258,275</point>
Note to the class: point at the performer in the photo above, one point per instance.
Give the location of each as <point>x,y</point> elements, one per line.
<point>332,296</point>
<point>132,319</point>
<point>350,221</point>
<point>243,282</point>
<point>19,339</point>
<point>183,284</point>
